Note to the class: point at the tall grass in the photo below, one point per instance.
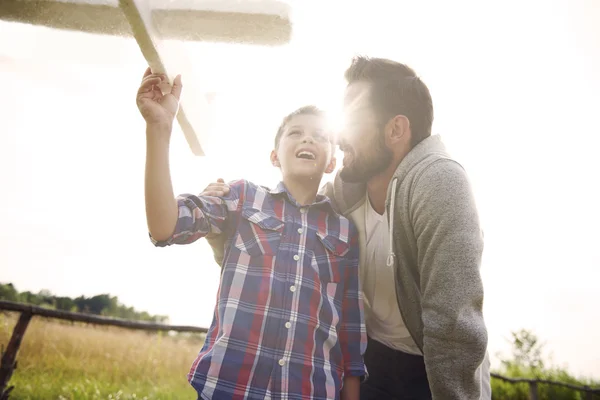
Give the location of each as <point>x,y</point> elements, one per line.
<point>59,360</point>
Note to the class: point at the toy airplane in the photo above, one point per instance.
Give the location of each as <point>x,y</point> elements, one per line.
<point>256,22</point>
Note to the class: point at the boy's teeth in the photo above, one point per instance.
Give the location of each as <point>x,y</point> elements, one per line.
<point>306,154</point>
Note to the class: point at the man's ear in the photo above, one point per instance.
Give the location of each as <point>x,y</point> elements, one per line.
<point>331,165</point>
<point>274,159</point>
<point>398,129</point>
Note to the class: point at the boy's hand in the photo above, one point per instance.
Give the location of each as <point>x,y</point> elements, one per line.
<point>156,108</point>
<point>216,189</point>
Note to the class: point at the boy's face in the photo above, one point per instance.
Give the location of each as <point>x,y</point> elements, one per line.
<point>305,149</point>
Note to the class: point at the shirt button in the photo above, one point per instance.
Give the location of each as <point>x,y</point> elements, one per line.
<point>292,289</point>
<point>288,325</point>
<point>296,257</point>
<point>282,362</point>
<point>300,230</point>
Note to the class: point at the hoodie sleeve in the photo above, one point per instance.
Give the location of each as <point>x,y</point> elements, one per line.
<point>450,245</point>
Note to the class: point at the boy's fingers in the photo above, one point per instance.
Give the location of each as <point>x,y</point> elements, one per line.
<point>177,86</point>
<point>148,84</point>
<point>148,73</point>
<point>220,180</point>
<point>154,76</point>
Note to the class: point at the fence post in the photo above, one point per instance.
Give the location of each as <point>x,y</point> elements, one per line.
<point>589,395</point>
<point>8,362</point>
<point>533,390</point>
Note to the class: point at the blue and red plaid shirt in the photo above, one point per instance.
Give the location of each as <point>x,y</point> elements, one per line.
<point>288,323</point>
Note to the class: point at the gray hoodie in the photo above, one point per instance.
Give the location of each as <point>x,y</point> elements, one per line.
<point>435,248</point>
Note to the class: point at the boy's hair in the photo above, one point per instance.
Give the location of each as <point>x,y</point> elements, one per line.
<point>306,110</point>
<point>395,90</point>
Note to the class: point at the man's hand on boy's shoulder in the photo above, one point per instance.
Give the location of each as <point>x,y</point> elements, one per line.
<point>216,189</point>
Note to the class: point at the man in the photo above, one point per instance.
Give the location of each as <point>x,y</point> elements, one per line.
<point>420,241</point>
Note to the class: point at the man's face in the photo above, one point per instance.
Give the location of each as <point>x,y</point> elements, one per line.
<point>362,138</point>
<point>305,149</point>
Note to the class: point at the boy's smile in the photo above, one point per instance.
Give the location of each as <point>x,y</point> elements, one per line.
<point>306,154</point>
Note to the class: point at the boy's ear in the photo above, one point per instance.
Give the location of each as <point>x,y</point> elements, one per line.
<point>331,165</point>
<point>274,159</point>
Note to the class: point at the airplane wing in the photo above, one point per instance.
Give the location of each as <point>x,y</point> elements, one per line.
<point>257,22</point>
<point>250,22</point>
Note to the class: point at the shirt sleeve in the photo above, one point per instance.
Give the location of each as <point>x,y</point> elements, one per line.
<point>201,215</point>
<point>353,334</point>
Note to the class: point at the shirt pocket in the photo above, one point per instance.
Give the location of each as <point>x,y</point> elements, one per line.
<point>328,257</point>
<point>259,233</point>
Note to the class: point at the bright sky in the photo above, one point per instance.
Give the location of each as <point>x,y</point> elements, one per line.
<point>516,93</point>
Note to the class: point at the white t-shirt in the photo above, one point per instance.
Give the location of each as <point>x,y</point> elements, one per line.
<point>382,315</point>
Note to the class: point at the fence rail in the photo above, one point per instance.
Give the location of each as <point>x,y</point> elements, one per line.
<point>94,319</point>
<point>8,363</point>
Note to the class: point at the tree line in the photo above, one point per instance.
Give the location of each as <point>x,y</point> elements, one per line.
<point>102,304</point>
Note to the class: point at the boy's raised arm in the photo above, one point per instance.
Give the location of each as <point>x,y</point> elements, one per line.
<point>159,111</point>
<point>186,218</point>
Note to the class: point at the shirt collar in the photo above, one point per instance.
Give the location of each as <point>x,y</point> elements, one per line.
<point>320,201</point>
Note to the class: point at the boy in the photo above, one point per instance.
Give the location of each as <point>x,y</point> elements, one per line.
<point>288,323</point>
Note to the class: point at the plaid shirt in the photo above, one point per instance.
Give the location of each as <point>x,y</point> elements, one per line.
<point>288,323</point>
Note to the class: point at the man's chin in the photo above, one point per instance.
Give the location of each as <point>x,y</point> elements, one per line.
<point>350,175</point>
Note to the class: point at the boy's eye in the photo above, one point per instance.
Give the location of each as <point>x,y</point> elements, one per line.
<point>294,132</point>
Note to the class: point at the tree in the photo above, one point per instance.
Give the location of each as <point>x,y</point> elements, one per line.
<point>8,292</point>
<point>81,304</point>
<point>31,298</point>
<point>46,297</point>
<point>526,351</point>
<point>64,303</point>
<point>99,303</point>
<point>102,304</point>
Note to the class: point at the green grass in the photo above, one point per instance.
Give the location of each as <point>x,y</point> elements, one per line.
<point>62,361</point>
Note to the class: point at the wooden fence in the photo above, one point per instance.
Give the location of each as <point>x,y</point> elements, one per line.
<point>27,311</point>
<point>8,362</point>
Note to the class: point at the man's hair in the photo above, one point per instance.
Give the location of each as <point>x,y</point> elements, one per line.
<point>395,90</point>
<point>306,110</point>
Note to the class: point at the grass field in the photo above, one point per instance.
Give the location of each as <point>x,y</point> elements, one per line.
<point>62,361</point>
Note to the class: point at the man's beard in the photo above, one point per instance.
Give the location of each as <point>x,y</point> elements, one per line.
<point>361,169</point>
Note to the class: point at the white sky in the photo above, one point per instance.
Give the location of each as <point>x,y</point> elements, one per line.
<point>516,94</point>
